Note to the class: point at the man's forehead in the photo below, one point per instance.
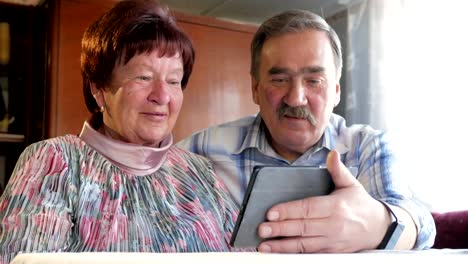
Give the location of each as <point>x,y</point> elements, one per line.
<point>299,52</point>
<point>297,38</point>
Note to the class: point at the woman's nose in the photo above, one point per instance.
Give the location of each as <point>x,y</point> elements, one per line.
<point>160,93</point>
<point>296,95</point>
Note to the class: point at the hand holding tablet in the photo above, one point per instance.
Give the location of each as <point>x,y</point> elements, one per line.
<point>270,185</point>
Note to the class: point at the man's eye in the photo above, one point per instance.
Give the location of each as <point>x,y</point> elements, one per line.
<point>314,82</point>
<point>279,80</point>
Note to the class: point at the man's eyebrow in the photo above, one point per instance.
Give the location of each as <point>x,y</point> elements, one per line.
<point>313,69</point>
<point>281,70</point>
<point>278,70</point>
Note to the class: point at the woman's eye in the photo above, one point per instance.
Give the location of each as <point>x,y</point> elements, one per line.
<point>144,78</point>
<point>174,82</point>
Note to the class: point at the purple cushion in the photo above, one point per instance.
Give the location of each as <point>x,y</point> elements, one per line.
<point>452,229</point>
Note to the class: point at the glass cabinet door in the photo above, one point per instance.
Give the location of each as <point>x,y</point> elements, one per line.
<point>23,79</point>
<point>4,60</point>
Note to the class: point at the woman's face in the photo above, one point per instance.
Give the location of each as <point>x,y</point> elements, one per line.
<point>144,99</point>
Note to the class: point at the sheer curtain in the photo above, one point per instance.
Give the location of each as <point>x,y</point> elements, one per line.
<point>416,89</point>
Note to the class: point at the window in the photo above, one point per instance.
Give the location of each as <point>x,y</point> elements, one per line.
<point>418,90</point>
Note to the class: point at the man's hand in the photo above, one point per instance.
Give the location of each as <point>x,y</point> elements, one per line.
<point>347,220</point>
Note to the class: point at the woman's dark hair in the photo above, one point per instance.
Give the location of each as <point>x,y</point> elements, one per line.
<point>130,28</point>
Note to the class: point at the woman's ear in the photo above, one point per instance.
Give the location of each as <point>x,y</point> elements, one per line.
<point>97,94</point>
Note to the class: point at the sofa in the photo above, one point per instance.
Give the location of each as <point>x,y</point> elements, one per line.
<point>452,229</point>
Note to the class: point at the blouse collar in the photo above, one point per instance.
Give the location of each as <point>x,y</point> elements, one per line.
<point>132,158</point>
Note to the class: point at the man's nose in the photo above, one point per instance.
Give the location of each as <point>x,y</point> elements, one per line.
<point>160,93</point>
<point>297,94</point>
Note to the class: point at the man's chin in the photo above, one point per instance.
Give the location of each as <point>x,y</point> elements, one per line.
<point>299,140</point>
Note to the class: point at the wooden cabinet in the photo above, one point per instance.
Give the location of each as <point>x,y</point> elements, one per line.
<point>70,20</point>
<point>23,79</point>
<point>218,90</point>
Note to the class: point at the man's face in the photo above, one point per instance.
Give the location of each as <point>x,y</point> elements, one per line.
<point>297,89</point>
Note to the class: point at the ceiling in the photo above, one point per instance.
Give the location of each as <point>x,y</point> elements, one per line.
<point>254,11</point>
<point>244,11</point>
<point>22,2</point>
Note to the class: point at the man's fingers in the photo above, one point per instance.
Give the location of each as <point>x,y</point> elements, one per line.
<point>298,245</point>
<point>313,207</point>
<point>294,228</point>
<point>341,176</point>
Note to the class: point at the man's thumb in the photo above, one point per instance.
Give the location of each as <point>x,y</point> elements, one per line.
<point>341,176</point>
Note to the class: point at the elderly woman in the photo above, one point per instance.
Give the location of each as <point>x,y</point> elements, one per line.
<point>120,185</point>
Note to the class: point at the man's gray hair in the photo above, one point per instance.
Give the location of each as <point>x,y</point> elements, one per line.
<point>289,22</point>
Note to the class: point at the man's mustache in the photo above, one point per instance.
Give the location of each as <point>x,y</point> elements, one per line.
<point>297,112</point>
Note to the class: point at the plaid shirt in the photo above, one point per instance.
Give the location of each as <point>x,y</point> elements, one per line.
<point>236,147</point>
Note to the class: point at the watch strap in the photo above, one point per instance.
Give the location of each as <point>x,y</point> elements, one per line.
<point>393,232</point>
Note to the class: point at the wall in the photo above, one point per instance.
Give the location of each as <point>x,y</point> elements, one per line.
<point>339,22</point>
<point>218,91</point>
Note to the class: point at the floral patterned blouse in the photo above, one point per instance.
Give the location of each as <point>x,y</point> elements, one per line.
<point>92,193</point>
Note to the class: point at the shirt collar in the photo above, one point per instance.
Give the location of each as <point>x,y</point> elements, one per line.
<point>331,139</point>
<point>132,158</point>
<point>255,137</point>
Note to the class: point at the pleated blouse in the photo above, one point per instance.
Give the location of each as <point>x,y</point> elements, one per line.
<point>92,193</point>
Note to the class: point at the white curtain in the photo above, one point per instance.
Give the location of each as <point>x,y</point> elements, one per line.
<point>416,89</point>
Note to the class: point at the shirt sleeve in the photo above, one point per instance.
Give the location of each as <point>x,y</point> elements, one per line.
<point>196,143</point>
<point>378,175</point>
<point>35,213</point>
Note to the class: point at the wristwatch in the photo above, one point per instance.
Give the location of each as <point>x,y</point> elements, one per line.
<point>393,232</point>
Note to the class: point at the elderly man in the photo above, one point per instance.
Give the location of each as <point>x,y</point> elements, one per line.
<point>295,69</point>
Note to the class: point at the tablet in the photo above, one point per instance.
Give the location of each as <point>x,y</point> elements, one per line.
<point>271,185</point>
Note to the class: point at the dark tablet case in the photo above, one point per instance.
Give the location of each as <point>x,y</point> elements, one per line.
<point>270,185</point>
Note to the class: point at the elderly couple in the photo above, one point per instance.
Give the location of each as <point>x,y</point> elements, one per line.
<point>122,185</point>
